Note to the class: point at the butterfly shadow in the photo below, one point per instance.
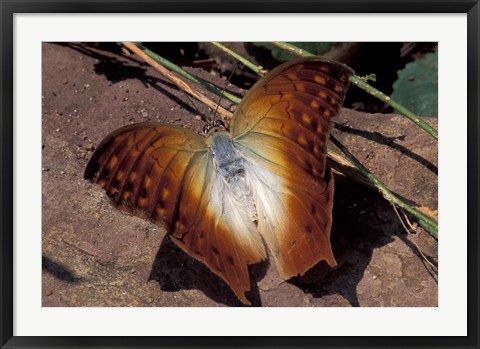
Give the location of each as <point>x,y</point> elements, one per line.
<point>362,222</point>
<point>175,270</point>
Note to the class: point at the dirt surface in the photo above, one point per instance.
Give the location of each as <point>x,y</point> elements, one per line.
<point>95,255</point>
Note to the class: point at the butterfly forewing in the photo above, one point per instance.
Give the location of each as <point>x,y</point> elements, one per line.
<point>141,167</point>
<point>282,128</point>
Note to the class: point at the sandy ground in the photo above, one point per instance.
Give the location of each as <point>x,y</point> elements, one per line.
<point>95,255</point>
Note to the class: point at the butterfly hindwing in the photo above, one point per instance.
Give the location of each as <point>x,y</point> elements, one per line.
<point>208,229</point>
<point>282,127</point>
<point>165,173</point>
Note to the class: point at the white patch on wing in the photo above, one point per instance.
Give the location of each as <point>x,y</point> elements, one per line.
<point>275,218</point>
<point>278,223</point>
<point>293,250</point>
<point>268,193</point>
<point>235,215</point>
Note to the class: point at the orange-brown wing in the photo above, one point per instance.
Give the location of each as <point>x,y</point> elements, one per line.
<point>165,173</point>
<point>282,127</point>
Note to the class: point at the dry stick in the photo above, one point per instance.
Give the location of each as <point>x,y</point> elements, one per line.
<point>401,221</point>
<point>410,235</point>
<point>412,228</point>
<point>356,170</point>
<point>177,81</point>
<point>361,83</point>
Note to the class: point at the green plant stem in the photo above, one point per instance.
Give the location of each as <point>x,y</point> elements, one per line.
<point>427,223</point>
<point>357,81</point>
<point>361,83</point>
<point>175,68</point>
<point>293,49</point>
<point>257,69</point>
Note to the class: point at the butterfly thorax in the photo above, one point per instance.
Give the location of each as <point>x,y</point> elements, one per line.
<point>230,166</point>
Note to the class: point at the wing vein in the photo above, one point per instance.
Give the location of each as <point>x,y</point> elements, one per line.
<point>308,83</point>
<point>309,72</point>
<point>287,141</point>
<point>180,193</point>
<point>332,109</point>
<point>159,185</point>
<point>134,165</point>
<point>313,134</point>
<point>118,147</point>
<point>122,161</point>
<point>149,172</point>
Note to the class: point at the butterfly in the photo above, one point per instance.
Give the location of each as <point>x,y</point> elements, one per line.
<point>232,197</point>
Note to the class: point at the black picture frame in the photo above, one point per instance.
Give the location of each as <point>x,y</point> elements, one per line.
<point>9,7</point>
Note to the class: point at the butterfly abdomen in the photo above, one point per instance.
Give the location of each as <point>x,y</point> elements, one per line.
<point>230,165</point>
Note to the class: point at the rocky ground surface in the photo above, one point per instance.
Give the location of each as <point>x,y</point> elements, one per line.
<point>95,255</point>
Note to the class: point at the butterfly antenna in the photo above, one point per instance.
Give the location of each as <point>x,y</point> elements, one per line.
<point>202,115</point>
<point>223,90</point>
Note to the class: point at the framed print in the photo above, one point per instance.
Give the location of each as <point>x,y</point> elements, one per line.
<point>239,174</point>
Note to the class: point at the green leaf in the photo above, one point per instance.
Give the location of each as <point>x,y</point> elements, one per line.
<point>317,48</point>
<point>417,86</point>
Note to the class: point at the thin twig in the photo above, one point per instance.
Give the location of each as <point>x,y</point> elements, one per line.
<point>400,219</point>
<point>410,235</point>
<point>408,221</point>
<point>256,68</point>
